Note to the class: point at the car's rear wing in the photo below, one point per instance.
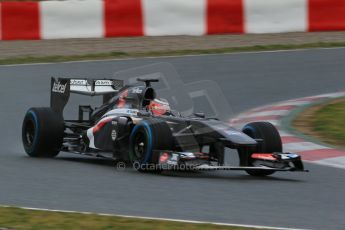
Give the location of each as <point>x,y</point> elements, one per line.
<point>61,88</point>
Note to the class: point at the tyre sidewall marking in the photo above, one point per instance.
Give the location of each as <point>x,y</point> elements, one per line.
<point>149,145</point>
<point>36,136</point>
<point>148,150</point>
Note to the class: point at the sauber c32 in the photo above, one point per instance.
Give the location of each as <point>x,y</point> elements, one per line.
<point>133,126</point>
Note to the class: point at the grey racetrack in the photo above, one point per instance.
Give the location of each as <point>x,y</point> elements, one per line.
<point>312,200</point>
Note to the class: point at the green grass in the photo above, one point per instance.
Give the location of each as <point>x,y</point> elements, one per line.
<point>115,54</point>
<point>329,123</point>
<point>16,218</point>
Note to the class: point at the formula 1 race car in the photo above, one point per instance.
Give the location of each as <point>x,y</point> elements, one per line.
<point>134,126</point>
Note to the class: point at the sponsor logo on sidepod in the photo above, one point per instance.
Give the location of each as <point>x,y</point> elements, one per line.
<point>59,88</point>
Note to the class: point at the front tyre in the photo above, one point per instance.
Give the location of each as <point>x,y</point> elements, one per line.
<point>147,136</point>
<point>42,132</point>
<point>271,142</point>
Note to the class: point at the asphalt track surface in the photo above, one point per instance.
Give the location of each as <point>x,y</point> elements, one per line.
<point>312,200</point>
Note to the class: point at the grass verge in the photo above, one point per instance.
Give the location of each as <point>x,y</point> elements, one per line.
<point>326,122</point>
<point>17,218</point>
<point>115,54</point>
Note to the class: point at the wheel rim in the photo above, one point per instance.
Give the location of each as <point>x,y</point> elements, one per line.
<point>29,133</point>
<point>140,144</point>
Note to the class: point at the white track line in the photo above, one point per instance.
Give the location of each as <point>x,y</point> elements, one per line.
<point>266,113</point>
<point>284,133</point>
<point>293,103</point>
<point>337,162</point>
<point>332,95</point>
<point>302,146</point>
<point>242,124</point>
<point>154,218</point>
<point>173,56</point>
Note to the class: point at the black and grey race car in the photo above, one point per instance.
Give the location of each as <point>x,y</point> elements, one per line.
<point>134,126</point>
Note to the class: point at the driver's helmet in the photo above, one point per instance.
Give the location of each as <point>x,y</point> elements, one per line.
<point>159,107</point>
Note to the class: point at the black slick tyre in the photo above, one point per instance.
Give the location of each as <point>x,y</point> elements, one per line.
<point>42,132</point>
<point>146,137</point>
<point>271,142</point>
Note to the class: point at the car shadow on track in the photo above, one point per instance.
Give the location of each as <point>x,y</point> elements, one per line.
<point>89,160</point>
<point>227,175</point>
<point>241,176</point>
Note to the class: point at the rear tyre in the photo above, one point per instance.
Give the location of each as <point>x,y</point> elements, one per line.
<point>42,132</point>
<point>271,142</point>
<point>147,136</point>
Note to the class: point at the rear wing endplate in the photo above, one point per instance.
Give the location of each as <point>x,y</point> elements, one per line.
<point>61,88</point>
